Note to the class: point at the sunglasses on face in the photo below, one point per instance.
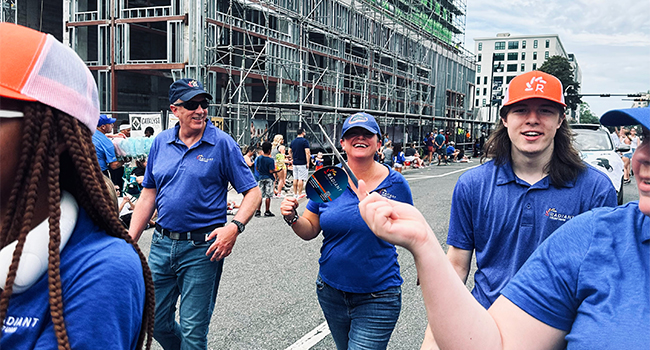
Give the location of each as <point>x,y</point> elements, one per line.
<point>192,105</point>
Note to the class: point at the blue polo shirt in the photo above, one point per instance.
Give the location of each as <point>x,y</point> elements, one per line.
<point>352,258</point>
<point>591,279</point>
<point>192,184</point>
<point>504,219</point>
<point>264,166</point>
<point>105,149</point>
<point>298,150</point>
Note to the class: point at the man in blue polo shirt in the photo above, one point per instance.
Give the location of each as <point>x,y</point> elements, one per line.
<point>534,183</point>
<point>186,179</point>
<point>104,147</point>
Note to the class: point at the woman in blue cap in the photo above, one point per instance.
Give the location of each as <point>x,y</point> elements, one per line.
<point>585,287</point>
<point>359,282</point>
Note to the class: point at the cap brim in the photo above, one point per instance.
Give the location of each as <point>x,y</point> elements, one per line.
<point>362,127</point>
<point>9,93</point>
<point>628,116</point>
<point>530,98</point>
<point>191,94</point>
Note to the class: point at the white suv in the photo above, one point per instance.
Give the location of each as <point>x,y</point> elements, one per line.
<point>597,148</point>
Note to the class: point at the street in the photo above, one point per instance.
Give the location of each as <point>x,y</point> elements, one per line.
<point>267,297</point>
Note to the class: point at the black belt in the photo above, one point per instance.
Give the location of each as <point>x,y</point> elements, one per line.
<point>200,235</point>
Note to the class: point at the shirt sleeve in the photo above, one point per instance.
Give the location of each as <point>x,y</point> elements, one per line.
<point>237,172</point>
<point>546,285</point>
<point>604,194</point>
<point>461,227</point>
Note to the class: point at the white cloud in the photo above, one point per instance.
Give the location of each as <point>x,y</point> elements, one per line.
<point>611,39</point>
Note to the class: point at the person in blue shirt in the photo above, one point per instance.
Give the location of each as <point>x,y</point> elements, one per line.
<point>585,287</point>
<point>534,183</point>
<point>265,167</point>
<point>300,155</point>
<point>359,282</point>
<point>104,147</point>
<point>186,180</point>
<point>439,146</point>
<point>70,276</point>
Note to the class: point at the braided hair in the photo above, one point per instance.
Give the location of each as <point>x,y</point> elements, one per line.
<point>46,131</point>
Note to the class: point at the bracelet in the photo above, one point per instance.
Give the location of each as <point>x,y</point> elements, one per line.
<point>293,220</point>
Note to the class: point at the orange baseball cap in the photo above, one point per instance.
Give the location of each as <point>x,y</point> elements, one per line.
<point>36,67</point>
<point>534,84</point>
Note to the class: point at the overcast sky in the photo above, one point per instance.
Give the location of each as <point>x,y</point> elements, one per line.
<point>610,38</point>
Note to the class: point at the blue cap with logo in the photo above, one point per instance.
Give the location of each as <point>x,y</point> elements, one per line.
<point>104,119</point>
<point>361,120</point>
<point>185,90</point>
<point>628,116</point>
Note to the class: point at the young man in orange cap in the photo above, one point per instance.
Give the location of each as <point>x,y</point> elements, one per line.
<point>534,183</point>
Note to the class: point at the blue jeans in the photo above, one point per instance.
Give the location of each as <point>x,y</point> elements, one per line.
<point>180,268</point>
<point>360,320</point>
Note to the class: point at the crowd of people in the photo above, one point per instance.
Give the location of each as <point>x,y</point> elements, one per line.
<point>559,265</point>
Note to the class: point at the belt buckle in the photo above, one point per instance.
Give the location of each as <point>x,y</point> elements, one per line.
<point>174,235</point>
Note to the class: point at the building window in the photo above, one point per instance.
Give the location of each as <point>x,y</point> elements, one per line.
<point>523,67</point>
<point>498,56</point>
<point>478,68</point>
<point>498,67</point>
<point>483,102</point>
<point>508,79</point>
<point>512,68</point>
<point>477,102</point>
<point>535,55</point>
<point>513,45</point>
<point>548,43</point>
<point>546,55</point>
<point>523,44</point>
<point>499,45</point>
<point>498,80</point>
<point>534,44</point>
<point>484,80</point>
<point>478,91</point>
<point>484,91</point>
<point>478,58</point>
<point>513,56</point>
<point>523,55</point>
<point>534,66</point>
<point>478,80</point>
<point>480,46</point>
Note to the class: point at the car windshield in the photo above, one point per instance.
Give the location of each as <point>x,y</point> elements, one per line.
<point>592,140</point>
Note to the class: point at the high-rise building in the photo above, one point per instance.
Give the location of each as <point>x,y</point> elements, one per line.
<point>269,62</point>
<point>499,59</point>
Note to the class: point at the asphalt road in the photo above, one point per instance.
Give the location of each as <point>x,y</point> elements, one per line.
<point>267,297</point>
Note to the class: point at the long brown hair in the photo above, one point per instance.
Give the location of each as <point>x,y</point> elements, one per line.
<point>76,170</point>
<point>565,164</point>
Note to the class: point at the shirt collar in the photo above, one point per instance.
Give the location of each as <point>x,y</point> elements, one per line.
<point>209,134</point>
<point>505,175</point>
<point>645,228</point>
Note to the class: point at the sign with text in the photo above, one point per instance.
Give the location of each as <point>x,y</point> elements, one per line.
<point>140,122</point>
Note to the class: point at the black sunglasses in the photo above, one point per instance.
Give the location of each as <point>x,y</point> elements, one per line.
<point>192,105</point>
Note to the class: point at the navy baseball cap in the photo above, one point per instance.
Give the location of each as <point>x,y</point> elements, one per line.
<point>361,120</point>
<point>185,90</point>
<point>628,116</point>
<point>104,119</point>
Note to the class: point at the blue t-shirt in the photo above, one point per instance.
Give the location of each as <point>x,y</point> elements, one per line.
<point>590,278</point>
<point>440,140</point>
<point>429,141</point>
<point>450,150</point>
<point>264,166</point>
<point>105,150</point>
<point>399,158</point>
<point>298,150</point>
<point>192,184</point>
<point>504,219</point>
<point>103,296</point>
<point>352,258</point>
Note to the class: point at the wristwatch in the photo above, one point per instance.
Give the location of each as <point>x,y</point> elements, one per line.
<point>240,226</point>
<point>293,220</point>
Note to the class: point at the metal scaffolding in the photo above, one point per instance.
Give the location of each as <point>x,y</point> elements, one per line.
<point>264,60</point>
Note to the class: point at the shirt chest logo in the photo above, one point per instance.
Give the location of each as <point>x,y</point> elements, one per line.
<point>203,159</point>
<point>553,214</point>
<point>384,193</point>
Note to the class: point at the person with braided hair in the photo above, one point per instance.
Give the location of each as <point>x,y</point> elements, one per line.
<point>70,275</point>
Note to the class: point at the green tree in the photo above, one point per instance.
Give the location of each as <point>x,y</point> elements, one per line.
<point>587,116</point>
<point>561,69</point>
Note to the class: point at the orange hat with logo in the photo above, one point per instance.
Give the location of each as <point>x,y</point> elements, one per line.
<point>535,84</point>
<point>36,67</point>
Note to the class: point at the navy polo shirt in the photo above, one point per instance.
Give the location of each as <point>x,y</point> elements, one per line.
<point>192,184</point>
<point>590,279</point>
<point>504,219</point>
<point>104,149</point>
<point>264,166</point>
<point>298,151</point>
<point>352,258</point>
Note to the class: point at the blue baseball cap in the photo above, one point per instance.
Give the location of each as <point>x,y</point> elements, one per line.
<point>185,90</point>
<point>628,116</point>
<point>104,119</point>
<point>361,120</point>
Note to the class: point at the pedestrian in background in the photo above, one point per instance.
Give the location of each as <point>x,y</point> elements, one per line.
<point>70,276</point>
<point>534,183</point>
<point>585,287</point>
<point>300,155</point>
<point>188,172</point>
<point>359,282</point>
<point>265,167</point>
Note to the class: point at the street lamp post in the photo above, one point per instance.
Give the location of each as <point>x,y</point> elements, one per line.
<point>566,94</point>
<point>492,70</point>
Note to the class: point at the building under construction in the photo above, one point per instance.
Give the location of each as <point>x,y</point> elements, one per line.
<point>276,63</point>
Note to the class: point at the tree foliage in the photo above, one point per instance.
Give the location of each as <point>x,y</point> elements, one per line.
<point>560,67</point>
<point>587,116</point>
